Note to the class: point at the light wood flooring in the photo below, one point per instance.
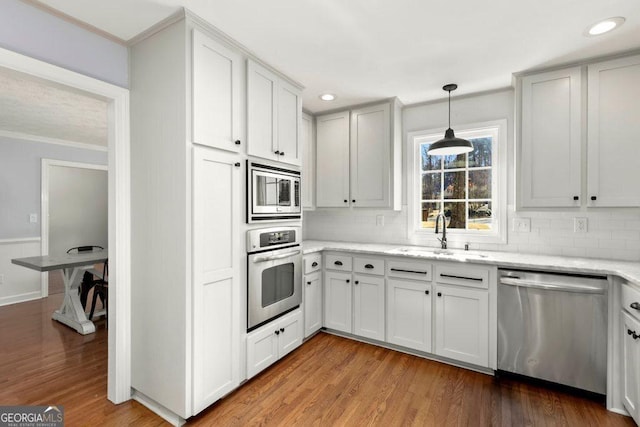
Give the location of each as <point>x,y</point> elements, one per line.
<point>328,381</point>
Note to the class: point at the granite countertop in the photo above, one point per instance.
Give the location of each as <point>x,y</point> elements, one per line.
<point>624,269</point>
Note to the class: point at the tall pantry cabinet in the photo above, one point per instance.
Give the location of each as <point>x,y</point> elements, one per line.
<point>188,145</point>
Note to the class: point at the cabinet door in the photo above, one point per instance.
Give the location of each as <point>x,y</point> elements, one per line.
<point>613,129</point>
<point>462,324</point>
<point>337,302</point>
<point>332,160</point>
<point>291,332</point>
<point>216,94</point>
<point>371,157</point>
<point>368,306</point>
<point>308,162</point>
<point>409,314</point>
<point>312,303</point>
<point>550,156</point>
<point>216,288</point>
<point>630,365</point>
<point>262,349</point>
<point>262,93</point>
<point>289,121</point>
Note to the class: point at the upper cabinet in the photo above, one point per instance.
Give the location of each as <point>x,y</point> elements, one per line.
<point>551,138</point>
<point>554,148</point>
<point>274,111</point>
<point>217,75</point>
<point>308,161</point>
<point>359,157</point>
<point>613,129</point>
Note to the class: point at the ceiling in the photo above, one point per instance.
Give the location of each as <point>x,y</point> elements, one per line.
<point>365,50</point>
<point>43,109</point>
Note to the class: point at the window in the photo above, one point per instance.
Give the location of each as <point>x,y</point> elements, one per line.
<point>465,188</point>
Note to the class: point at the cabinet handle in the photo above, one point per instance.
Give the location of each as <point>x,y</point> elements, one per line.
<point>237,142</point>
<point>426,292</point>
<point>337,263</point>
<point>356,282</point>
<point>346,201</point>
<point>369,266</point>
<point>277,152</point>
<point>277,332</point>
<point>593,197</point>
<point>402,270</point>
<point>576,198</point>
<point>635,305</point>
<point>237,164</point>
<point>451,276</point>
<point>281,329</point>
<point>629,331</point>
<point>315,264</point>
<point>282,153</point>
<point>353,201</point>
<point>439,294</point>
<point>308,283</point>
<point>348,280</point>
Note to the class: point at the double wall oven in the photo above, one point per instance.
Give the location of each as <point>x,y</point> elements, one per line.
<point>274,279</point>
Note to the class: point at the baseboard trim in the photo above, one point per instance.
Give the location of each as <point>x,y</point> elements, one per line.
<point>166,414</point>
<point>15,299</point>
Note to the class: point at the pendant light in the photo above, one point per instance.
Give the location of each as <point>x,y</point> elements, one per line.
<point>450,145</point>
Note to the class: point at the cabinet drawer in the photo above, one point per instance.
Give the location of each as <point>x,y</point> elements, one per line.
<point>409,270</point>
<point>631,300</point>
<point>337,262</point>
<point>368,266</point>
<point>463,275</point>
<point>312,263</point>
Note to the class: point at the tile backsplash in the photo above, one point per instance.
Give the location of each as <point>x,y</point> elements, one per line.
<point>610,234</point>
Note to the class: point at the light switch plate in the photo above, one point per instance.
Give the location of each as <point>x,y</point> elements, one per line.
<point>580,225</point>
<point>380,220</point>
<point>33,218</point>
<point>522,225</point>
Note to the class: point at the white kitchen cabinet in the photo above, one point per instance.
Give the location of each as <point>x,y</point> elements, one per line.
<point>409,314</point>
<point>217,79</point>
<point>462,324</point>
<point>216,287</point>
<point>338,310</point>
<point>312,303</point>
<point>332,160</point>
<point>274,111</point>
<point>368,306</point>
<point>271,342</point>
<point>551,138</point>
<point>613,129</point>
<point>308,161</point>
<point>359,157</point>
<point>630,364</point>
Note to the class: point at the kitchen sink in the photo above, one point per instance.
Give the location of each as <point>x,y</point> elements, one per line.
<point>452,253</point>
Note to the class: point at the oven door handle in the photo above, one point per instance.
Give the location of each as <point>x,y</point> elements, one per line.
<point>275,257</point>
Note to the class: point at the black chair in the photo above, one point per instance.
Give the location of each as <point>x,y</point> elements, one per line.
<point>101,289</point>
<point>87,278</point>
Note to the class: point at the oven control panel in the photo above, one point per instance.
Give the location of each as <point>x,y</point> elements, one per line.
<point>272,238</point>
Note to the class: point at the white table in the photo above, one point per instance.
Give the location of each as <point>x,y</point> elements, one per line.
<point>71,313</point>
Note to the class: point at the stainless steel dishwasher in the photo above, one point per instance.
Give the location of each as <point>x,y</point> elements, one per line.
<point>553,327</point>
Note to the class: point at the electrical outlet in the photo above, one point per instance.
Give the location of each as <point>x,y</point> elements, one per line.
<point>380,220</point>
<point>580,225</point>
<point>522,225</point>
<point>33,218</point>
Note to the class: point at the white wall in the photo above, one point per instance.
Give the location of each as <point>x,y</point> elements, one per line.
<point>612,233</point>
<point>33,32</point>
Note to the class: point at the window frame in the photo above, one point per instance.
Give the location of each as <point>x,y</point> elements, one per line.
<point>498,234</point>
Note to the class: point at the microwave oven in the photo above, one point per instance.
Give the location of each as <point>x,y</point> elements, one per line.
<point>273,193</point>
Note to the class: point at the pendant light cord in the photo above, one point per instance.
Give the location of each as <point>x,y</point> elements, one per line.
<point>449,109</point>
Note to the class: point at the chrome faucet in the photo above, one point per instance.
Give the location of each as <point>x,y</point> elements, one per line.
<point>443,241</point>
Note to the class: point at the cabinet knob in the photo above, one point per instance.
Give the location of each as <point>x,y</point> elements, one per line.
<point>281,329</point>
<point>237,142</point>
<point>277,332</point>
<point>356,282</point>
<point>635,305</point>
<point>236,164</point>
<point>426,292</point>
<point>368,266</point>
<point>308,283</point>
<point>282,153</point>
<point>594,198</point>
<point>576,198</point>
<point>353,201</point>
<point>314,264</point>
<point>277,152</point>
<point>635,336</point>
<point>348,280</point>
<point>346,201</point>
<point>629,331</point>
<point>439,294</point>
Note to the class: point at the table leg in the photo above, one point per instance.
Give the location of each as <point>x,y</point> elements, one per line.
<point>71,312</point>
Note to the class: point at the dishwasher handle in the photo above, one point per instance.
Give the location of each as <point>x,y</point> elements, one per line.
<point>548,286</point>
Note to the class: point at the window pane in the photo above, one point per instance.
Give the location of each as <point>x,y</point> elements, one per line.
<point>480,215</point>
<point>454,161</point>
<point>480,184</point>
<point>454,185</point>
<point>455,214</point>
<point>428,214</point>
<point>429,162</point>
<point>481,154</point>
<point>431,188</point>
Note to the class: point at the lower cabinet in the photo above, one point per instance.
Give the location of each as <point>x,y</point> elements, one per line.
<point>312,303</point>
<point>631,365</point>
<point>462,324</point>
<point>271,342</point>
<point>409,314</point>
<point>337,301</point>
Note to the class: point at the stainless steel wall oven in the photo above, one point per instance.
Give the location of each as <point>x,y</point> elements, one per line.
<point>274,275</point>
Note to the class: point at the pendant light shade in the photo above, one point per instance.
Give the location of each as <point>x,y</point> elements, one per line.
<point>450,145</point>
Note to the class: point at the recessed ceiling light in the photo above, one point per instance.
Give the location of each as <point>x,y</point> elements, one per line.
<point>604,26</point>
<point>327,97</point>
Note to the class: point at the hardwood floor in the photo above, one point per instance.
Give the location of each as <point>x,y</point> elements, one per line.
<point>328,381</point>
